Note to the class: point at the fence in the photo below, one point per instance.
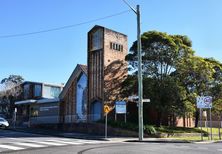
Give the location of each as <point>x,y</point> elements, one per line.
<point>215,124</point>
<point>44,120</point>
<point>25,121</point>
<point>83,118</point>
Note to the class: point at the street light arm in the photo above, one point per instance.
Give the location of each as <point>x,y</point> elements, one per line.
<point>134,10</point>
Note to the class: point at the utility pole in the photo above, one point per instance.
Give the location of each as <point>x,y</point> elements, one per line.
<point>140,77</point>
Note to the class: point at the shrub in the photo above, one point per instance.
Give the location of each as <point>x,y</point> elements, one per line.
<point>148,129</point>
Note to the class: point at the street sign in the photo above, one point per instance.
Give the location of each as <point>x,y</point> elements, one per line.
<point>204,102</point>
<point>106,109</point>
<point>146,100</point>
<point>120,107</point>
<point>133,97</point>
<point>136,99</point>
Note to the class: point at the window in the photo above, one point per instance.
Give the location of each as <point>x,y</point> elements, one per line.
<point>51,91</point>
<point>111,45</point>
<point>97,40</point>
<point>26,91</point>
<point>38,91</point>
<point>81,95</point>
<point>116,46</point>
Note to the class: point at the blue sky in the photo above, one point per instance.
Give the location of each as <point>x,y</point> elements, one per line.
<point>51,57</point>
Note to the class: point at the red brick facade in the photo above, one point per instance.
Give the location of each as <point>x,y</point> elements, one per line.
<point>68,96</point>
<point>107,67</point>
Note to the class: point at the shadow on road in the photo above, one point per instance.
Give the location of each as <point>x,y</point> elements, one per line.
<point>10,133</point>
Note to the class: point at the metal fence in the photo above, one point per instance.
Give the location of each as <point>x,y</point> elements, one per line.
<point>83,118</point>
<point>44,120</point>
<point>215,124</point>
<point>25,121</point>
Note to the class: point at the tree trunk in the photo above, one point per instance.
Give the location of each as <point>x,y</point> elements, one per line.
<point>220,125</point>
<point>159,118</point>
<point>184,120</point>
<point>196,118</point>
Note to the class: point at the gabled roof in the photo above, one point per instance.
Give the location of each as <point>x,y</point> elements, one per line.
<point>84,68</point>
<point>77,71</point>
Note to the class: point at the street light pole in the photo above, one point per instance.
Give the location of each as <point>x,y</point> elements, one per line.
<point>140,77</point>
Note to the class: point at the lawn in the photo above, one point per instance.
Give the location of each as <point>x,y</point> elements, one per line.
<point>196,138</point>
<point>214,130</point>
<point>215,135</point>
<point>167,129</point>
<point>172,131</point>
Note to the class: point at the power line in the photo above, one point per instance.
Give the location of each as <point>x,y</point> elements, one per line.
<point>63,27</point>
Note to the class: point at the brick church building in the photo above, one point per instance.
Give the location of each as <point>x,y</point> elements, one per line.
<point>90,87</point>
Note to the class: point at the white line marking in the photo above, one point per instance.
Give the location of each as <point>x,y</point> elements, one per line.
<point>65,142</point>
<point>219,149</point>
<point>29,145</point>
<point>11,147</point>
<point>84,141</point>
<point>76,142</point>
<point>51,143</point>
<point>89,142</point>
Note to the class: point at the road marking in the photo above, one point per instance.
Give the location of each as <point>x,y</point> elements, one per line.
<point>89,142</point>
<point>219,149</point>
<point>65,142</point>
<point>51,143</point>
<point>76,141</point>
<point>10,147</point>
<point>29,144</point>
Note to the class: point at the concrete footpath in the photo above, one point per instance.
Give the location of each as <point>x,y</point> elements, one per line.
<point>110,138</point>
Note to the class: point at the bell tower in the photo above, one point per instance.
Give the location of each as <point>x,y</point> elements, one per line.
<point>107,68</point>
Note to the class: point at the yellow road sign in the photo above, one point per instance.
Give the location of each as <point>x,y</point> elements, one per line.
<point>106,108</point>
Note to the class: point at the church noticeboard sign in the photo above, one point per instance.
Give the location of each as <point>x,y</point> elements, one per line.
<point>204,102</point>
<point>120,107</point>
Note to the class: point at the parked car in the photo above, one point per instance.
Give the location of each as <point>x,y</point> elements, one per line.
<point>3,123</point>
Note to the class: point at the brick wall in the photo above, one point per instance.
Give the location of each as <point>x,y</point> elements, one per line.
<point>107,68</point>
<point>115,66</point>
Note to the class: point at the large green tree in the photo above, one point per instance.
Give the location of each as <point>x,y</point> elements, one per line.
<point>10,90</point>
<point>196,76</point>
<point>162,54</point>
<point>173,75</point>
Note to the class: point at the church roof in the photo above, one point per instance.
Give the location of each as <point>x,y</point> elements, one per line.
<point>84,68</point>
<point>75,74</point>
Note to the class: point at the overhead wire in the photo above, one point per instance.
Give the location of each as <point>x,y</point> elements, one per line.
<point>63,27</point>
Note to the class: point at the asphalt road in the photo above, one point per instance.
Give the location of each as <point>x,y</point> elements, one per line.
<point>12,141</point>
<point>27,143</point>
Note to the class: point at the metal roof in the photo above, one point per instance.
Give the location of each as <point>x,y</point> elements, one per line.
<point>30,101</point>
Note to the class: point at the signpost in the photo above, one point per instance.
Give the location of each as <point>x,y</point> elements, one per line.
<point>106,111</point>
<point>120,107</point>
<point>15,113</point>
<point>205,102</point>
<point>206,122</point>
